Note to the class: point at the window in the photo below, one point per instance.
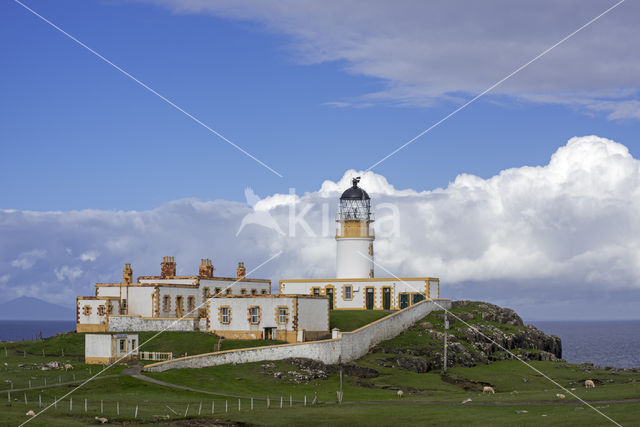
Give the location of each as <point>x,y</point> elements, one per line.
<point>348,292</point>
<point>254,292</point>
<point>101,310</point>
<point>254,315</point>
<point>133,345</point>
<point>110,308</point>
<point>225,315</point>
<point>315,291</point>
<point>166,303</point>
<point>228,292</point>
<point>205,294</point>
<point>263,292</point>
<point>124,304</point>
<point>191,304</point>
<point>217,291</point>
<point>123,345</point>
<point>283,315</point>
<point>86,310</point>
<point>243,291</point>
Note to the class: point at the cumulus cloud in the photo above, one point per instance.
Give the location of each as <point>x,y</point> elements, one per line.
<point>449,50</point>
<point>89,256</point>
<point>551,237</point>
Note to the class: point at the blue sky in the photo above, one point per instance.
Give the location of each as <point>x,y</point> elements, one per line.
<point>91,138</point>
<point>313,89</point>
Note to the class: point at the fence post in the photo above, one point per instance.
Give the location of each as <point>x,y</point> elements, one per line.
<point>85,405</point>
<point>290,401</point>
<point>305,400</point>
<point>39,401</point>
<point>281,401</point>
<point>45,380</point>
<point>62,351</point>
<point>268,402</point>
<point>55,402</point>
<point>186,410</point>
<point>24,353</point>
<point>74,376</point>
<point>9,397</point>
<point>226,406</point>
<point>29,383</point>
<point>252,403</point>
<point>101,407</point>
<point>118,408</point>
<point>59,379</point>
<point>213,407</point>
<point>200,408</point>
<point>71,404</point>
<point>25,399</point>
<point>136,414</point>
<point>238,405</point>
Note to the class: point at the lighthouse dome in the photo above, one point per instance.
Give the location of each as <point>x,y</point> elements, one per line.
<point>354,192</point>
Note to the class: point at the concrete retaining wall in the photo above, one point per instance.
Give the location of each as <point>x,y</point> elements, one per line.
<point>346,348</point>
<point>128,323</point>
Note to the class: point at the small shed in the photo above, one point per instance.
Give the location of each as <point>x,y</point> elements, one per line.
<point>103,349</point>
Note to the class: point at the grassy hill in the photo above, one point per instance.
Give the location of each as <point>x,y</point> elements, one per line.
<point>523,395</point>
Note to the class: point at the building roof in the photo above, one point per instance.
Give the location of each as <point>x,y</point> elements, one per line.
<point>355,192</point>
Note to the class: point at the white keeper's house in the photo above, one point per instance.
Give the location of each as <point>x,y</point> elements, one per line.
<point>355,287</point>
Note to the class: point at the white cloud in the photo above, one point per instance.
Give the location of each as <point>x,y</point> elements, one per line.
<point>449,50</point>
<point>531,237</point>
<point>67,273</point>
<point>28,259</point>
<point>89,256</point>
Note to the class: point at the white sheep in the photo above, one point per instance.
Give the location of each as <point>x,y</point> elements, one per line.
<point>560,396</point>
<point>67,366</point>
<point>589,384</point>
<point>101,420</point>
<point>400,393</point>
<point>30,413</point>
<point>487,389</point>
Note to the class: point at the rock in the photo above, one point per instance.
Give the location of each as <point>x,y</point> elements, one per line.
<point>416,365</point>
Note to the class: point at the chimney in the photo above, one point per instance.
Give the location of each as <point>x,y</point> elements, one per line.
<point>206,268</point>
<point>127,275</point>
<point>242,272</point>
<point>168,267</point>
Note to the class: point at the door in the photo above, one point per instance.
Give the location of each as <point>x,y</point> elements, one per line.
<point>416,298</point>
<point>178,306</point>
<point>370,298</point>
<point>329,292</point>
<point>268,333</point>
<point>404,301</point>
<point>386,298</point>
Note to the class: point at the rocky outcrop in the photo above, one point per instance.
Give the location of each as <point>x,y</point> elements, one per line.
<point>479,333</point>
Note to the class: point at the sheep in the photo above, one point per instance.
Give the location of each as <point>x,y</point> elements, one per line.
<point>467,400</point>
<point>67,366</point>
<point>560,396</point>
<point>487,389</point>
<point>101,420</point>
<point>400,393</point>
<point>30,413</point>
<point>589,384</point>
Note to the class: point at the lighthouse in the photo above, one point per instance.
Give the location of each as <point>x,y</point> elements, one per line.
<point>354,236</point>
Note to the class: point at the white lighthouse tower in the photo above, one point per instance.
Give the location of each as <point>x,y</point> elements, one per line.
<point>354,258</point>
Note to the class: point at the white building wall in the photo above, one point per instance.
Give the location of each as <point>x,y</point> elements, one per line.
<point>97,345</point>
<point>108,291</point>
<point>139,300</point>
<point>313,314</point>
<point>408,286</point>
<point>94,318</point>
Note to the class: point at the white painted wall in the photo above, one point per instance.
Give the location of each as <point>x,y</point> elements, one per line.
<point>359,288</point>
<point>108,291</point>
<point>352,257</point>
<point>97,345</point>
<point>93,318</point>
<point>349,347</point>
<point>313,314</point>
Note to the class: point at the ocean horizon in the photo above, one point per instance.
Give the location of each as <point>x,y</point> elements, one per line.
<point>601,342</point>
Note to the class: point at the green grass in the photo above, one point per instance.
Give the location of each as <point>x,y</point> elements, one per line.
<point>350,320</point>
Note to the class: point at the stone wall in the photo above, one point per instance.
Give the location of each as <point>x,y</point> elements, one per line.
<point>347,347</point>
<point>128,323</point>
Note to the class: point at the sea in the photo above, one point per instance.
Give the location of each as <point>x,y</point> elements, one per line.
<point>601,342</point>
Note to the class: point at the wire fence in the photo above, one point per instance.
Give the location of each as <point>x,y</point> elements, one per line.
<point>148,410</point>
